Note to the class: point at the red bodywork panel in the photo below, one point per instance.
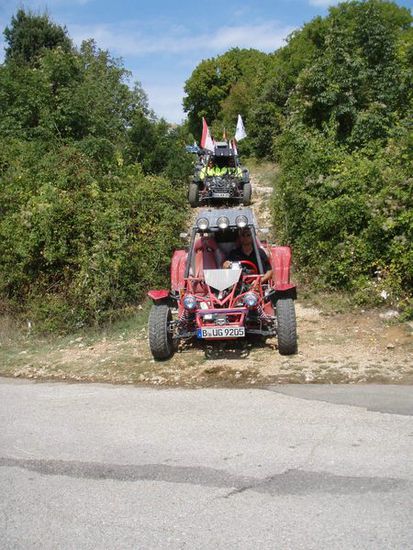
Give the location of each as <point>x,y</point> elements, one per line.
<point>158,295</point>
<point>280,260</point>
<point>207,255</point>
<point>178,269</point>
<point>231,305</point>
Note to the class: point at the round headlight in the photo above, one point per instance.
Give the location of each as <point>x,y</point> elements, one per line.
<point>203,224</point>
<point>189,302</point>
<point>223,222</point>
<point>250,299</point>
<point>241,221</point>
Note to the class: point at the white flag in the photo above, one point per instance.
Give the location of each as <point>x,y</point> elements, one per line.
<point>240,132</point>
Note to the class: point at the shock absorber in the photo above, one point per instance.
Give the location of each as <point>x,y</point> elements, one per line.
<point>186,317</point>
<point>261,313</point>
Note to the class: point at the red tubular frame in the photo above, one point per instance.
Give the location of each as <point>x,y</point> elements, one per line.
<point>236,314</point>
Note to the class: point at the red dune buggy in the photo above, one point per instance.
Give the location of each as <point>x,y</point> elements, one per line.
<point>210,303</point>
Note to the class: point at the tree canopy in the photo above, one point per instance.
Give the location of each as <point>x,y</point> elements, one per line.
<point>334,108</point>
<point>92,193</point>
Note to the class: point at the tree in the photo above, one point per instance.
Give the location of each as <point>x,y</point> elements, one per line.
<point>30,34</point>
<point>218,86</point>
<point>84,228</point>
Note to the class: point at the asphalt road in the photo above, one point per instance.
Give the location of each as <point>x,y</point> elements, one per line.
<point>289,467</point>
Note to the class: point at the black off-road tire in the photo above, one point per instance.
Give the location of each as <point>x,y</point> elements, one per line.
<point>286,326</point>
<point>247,189</point>
<point>160,339</point>
<point>193,195</point>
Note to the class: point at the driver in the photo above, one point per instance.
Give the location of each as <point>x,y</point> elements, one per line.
<point>228,167</point>
<point>246,252</point>
<point>209,170</point>
<point>220,166</point>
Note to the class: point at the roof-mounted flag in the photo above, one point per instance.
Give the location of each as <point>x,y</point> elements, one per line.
<point>240,132</point>
<point>206,139</point>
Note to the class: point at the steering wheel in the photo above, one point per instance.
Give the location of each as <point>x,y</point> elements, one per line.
<point>250,265</point>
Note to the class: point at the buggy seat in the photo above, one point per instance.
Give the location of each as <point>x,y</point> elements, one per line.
<point>207,255</point>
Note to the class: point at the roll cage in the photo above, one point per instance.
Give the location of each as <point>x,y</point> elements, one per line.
<point>212,217</point>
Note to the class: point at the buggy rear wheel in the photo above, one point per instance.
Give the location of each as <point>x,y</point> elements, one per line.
<point>193,195</point>
<point>286,326</point>
<point>160,337</point>
<point>247,190</point>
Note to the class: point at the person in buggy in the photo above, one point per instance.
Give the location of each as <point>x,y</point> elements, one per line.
<point>209,302</point>
<point>220,166</point>
<point>221,177</point>
<point>246,252</point>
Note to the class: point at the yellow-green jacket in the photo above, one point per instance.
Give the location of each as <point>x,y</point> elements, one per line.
<point>217,171</point>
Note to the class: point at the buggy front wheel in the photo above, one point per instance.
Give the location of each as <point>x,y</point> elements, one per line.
<point>286,326</point>
<point>193,195</point>
<point>160,336</point>
<point>247,191</point>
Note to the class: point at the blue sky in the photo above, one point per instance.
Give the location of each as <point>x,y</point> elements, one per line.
<point>161,42</point>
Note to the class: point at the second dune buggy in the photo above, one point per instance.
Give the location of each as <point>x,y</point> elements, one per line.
<point>227,181</point>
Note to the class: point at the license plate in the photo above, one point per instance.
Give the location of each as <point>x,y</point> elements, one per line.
<point>221,332</point>
<point>222,195</point>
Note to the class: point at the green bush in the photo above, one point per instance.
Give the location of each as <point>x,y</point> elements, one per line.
<point>344,199</point>
<point>91,183</point>
<point>74,247</point>
<point>349,215</point>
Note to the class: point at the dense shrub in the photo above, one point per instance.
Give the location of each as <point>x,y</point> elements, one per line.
<point>344,199</point>
<point>91,182</point>
<point>349,214</point>
<point>76,246</point>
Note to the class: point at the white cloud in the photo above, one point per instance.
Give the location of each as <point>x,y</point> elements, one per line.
<point>165,100</point>
<point>266,37</point>
<point>185,46</point>
<point>128,40</point>
<point>323,3</point>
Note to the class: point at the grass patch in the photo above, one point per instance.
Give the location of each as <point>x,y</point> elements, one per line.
<point>113,343</point>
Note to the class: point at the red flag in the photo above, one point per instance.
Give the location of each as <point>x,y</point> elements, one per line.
<point>206,139</point>
<point>234,147</point>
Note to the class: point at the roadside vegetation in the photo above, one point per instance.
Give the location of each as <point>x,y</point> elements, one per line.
<point>93,190</point>
<point>92,193</point>
<point>337,342</point>
<point>334,108</point>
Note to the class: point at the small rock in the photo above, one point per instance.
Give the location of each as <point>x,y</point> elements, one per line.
<point>390,314</point>
<point>390,346</point>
